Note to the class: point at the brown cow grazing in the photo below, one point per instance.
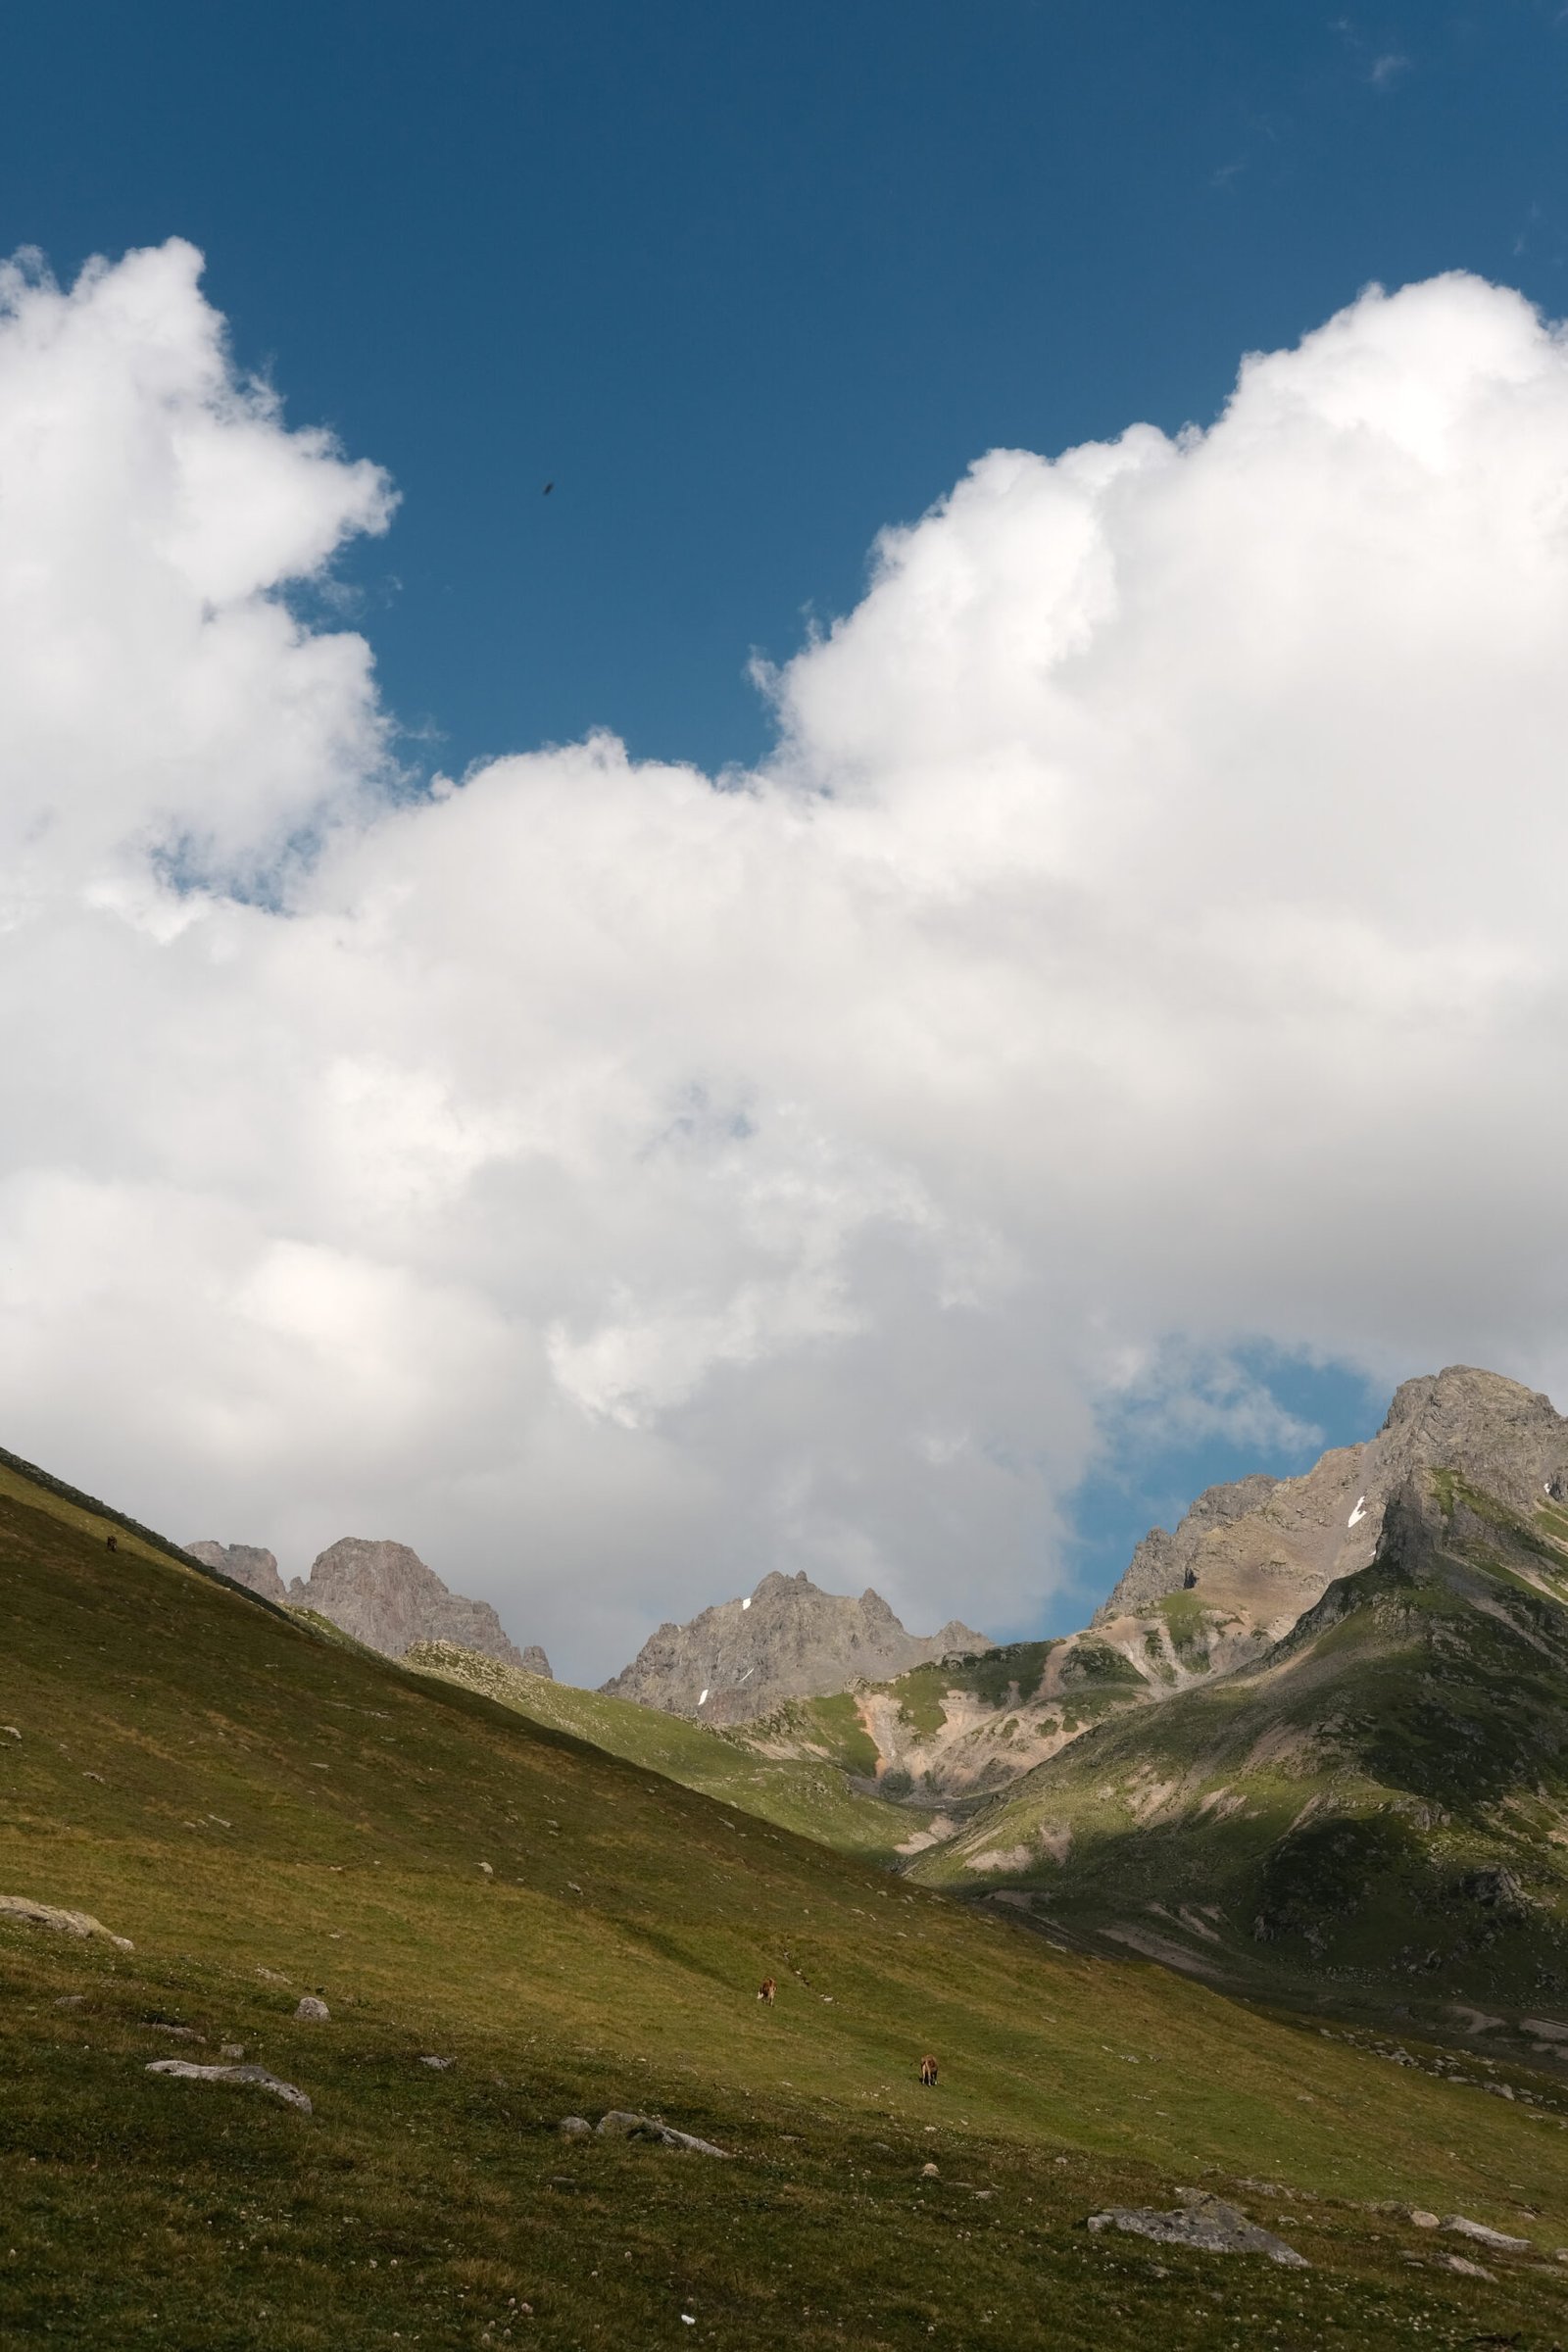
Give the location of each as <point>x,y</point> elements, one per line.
<point>766,1990</point>
<point>928,2072</point>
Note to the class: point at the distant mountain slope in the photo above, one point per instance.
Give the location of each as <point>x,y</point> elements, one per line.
<point>785,1639</point>
<point>1373,1813</point>
<point>811,1797</point>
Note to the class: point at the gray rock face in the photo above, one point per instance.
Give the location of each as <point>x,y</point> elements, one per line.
<point>386,1596</point>
<point>1306,1531</point>
<point>247,1563</point>
<point>535,1662</point>
<point>789,1640</point>
<point>1161,1561</point>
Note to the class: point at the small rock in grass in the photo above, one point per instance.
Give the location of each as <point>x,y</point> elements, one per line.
<point>231,2049</point>
<point>156,2025</point>
<point>928,2172</point>
<point>1418,2217</point>
<point>440,2064</point>
<point>289,2092</point>
<point>488,1871</point>
<point>10,1729</point>
<point>1484,2237</point>
<point>576,2127</point>
<point>66,1923</point>
<point>312,2010</point>
<point>1470,2269</point>
<point>71,2000</point>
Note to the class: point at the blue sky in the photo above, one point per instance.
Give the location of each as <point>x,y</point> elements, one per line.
<point>749,281</point>
<point>749,284</point>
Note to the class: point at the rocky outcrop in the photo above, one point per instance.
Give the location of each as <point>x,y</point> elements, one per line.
<point>1206,2223</point>
<point>256,2076</point>
<point>787,1640</point>
<point>386,1596</point>
<point>622,2123</point>
<point>1269,1547</point>
<point>244,1564</point>
<point>535,1662</point>
<point>65,1922</point>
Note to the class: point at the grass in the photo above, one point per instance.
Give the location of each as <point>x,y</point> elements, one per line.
<point>813,1799</point>
<point>829,1728</point>
<point>1189,1622</point>
<point>266,1813</point>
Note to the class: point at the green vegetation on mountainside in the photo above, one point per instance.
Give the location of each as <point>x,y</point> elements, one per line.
<point>1376,1813</point>
<point>811,1798</point>
<point>828,1726</point>
<point>265,1813</point>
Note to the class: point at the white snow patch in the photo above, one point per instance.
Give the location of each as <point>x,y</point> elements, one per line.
<point>746,1605</point>
<point>751,1670</point>
<point>1359,1511</point>
<point>703,1702</point>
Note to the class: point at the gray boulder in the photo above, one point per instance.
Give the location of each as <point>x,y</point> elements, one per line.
<point>31,1914</point>
<point>1202,2222</point>
<point>258,2076</point>
<point>619,2124</point>
<point>312,2010</point>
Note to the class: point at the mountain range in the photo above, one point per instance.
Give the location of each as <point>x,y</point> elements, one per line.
<point>785,1639</point>
<point>1306,1746</point>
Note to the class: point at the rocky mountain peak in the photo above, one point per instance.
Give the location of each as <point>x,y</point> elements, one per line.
<point>1269,1547</point>
<point>384,1595</point>
<point>785,1639</point>
<point>381,1593</point>
<point>1502,1437</point>
<point>245,1564</point>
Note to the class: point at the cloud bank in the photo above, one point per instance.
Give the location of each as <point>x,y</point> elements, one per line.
<point>1145,939</point>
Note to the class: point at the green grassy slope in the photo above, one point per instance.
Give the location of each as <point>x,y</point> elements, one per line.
<point>1374,1815</point>
<point>813,1799</point>
<point>948,1733</point>
<point>265,1813</point>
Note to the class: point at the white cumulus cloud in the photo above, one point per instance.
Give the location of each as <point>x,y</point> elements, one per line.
<point>1144,940</point>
